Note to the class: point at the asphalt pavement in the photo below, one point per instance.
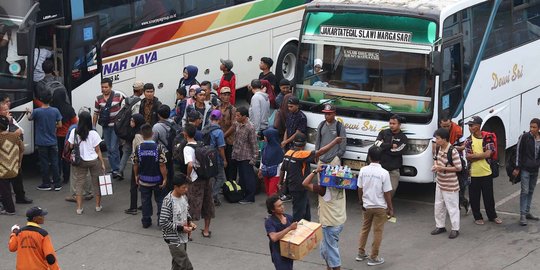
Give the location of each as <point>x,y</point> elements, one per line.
<point>113,240</point>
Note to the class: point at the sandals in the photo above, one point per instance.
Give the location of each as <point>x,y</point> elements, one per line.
<point>479,222</point>
<point>209,235</point>
<point>496,221</point>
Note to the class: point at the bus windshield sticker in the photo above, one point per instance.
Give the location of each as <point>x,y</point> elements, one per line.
<point>366,34</point>
<point>350,53</point>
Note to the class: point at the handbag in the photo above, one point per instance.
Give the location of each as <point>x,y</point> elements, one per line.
<point>73,155</point>
<point>269,171</point>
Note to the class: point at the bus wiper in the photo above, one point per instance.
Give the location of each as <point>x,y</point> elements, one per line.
<point>379,105</point>
<point>316,107</point>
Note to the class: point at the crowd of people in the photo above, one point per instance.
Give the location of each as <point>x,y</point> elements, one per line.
<point>182,156</point>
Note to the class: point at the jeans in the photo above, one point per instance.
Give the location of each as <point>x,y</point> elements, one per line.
<point>330,245</point>
<point>112,148</point>
<point>482,186</point>
<point>48,161</point>
<point>528,182</point>
<point>133,192</point>
<point>375,217</point>
<point>219,180</point>
<point>231,171</point>
<point>146,198</point>
<point>248,179</point>
<point>63,166</point>
<point>300,204</point>
<point>126,154</point>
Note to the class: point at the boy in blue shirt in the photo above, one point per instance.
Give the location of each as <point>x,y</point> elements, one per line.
<point>47,119</point>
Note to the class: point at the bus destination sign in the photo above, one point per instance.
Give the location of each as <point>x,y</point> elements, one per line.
<point>365,34</point>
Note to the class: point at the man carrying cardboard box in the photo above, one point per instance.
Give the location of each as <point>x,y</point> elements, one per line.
<point>374,185</point>
<point>277,225</point>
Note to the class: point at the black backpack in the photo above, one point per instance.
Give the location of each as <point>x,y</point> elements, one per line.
<point>53,86</point>
<point>105,112</point>
<point>463,175</point>
<point>179,144</point>
<point>172,133</point>
<point>206,155</point>
<point>122,126</point>
<point>232,192</point>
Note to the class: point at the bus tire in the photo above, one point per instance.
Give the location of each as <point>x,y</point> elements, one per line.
<point>286,63</point>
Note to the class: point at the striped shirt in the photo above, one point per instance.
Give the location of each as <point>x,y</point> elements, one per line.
<point>448,181</point>
<point>116,105</point>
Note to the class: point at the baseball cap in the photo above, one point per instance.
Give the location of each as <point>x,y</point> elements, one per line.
<point>216,115</point>
<point>284,82</point>
<point>227,63</point>
<point>475,120</point>
<point>199,91</point>
<point>35,211</point>
<point>193,115</point>
<point>225,90</point>
<point>329,108</point>
<point>138,85</point>
<point>294,100</point>
<point>300,140</point>
<point>268,61</point>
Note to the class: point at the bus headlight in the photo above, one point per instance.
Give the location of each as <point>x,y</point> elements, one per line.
<point>311,135</point>
<point>415,147</point>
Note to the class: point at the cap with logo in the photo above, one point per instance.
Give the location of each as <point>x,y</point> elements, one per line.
<point>475,120</point>
<point>35,212</point>
<point>329,108</point>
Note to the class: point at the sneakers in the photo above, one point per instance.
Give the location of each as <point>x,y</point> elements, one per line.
<point>24,200</point>
<point>532,217</point>
<point>245,202</point>
<point>57,187</point>
<point>146,225</point>
<point>79,211</point>
<point>523,220</point>
<point>453,234</point>
<point>44,187</point>
<point>4,212</point>
<point>438,231</point>
<point>99,208</point>
<point>361,256</point>
<point>131,211</point>
<point>285,198</point>
<point>376,261</point>
<point>118,176</point>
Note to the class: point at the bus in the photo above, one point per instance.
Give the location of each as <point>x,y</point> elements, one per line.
<point>141,40</point>
<point>420,59</point>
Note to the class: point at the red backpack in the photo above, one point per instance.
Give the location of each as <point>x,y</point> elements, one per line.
<point>491,137</point>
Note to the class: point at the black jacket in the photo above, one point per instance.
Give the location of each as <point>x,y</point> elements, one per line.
<point>154,117</point>
<point>526,156</point>
<point>392,159</point>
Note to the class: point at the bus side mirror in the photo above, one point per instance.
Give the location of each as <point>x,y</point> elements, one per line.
<point>436,63</point>
<point>23,42</point>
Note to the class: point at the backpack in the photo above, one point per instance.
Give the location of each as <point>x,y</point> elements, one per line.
<point>72,156</point>
<point>338,129</point>
<point>172,133</point>
<point>463,175</point>
<point>207,157</point>
<point>53,86</point>
<point>232,192</point>
<point>105,112</point>
<point>490,137</point>
<point>122,126</point>
<point>511,166</point>
<point>178,153</point>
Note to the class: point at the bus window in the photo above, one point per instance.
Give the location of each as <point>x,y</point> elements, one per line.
<point>151,12</point>
<point>526,21</point>
<point>500,38</point>
<point>114,15</point>
<point>451,79</point>
<point>12,65</point>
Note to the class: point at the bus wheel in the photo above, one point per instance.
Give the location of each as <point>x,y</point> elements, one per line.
<point>286,63</point>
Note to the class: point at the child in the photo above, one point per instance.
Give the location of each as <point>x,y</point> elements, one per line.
<point>150,173</point>
<point>271,158</point>
<point>47,120</point>
<point>175,222</point>
<point>191,99</point>
<point>181,104</point>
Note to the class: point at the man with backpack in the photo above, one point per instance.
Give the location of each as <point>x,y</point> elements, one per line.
<point>328,130</point>
<point>122,126</point>
<point>527,163</point>
<point>213,136</point>
<point>201,204</point>
<point>446,165</point>
<point>150,105</point>
<point>165,131</point>
<point>50,83</point>
<point>480,149</point>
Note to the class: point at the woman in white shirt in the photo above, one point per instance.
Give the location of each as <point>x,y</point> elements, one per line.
<point>91,159</point>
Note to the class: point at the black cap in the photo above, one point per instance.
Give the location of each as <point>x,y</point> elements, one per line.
<point>284,82</point>
<point>475,120</point>
<point>299,140</point>
<point>294,100</point>
<point>268,61</point>
<point>35,212</point>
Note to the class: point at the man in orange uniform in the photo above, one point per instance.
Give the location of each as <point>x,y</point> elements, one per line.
<point>33,244</point>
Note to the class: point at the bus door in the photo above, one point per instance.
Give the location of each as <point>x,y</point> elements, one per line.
<point>451,79</point>
<point>84,61</point>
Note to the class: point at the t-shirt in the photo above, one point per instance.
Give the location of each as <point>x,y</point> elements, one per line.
<point>479,168</point>
<point>189,156</point>
<point>274,225</point>
<point>40,55</point>
<point>87,148</point>
<point>332,205</point>
<point>217,140</point>
<point>180,215</point>
<point>45,123</point>
<point>448,181</point>
<point>374,182</point>
<point>297,166</point>
<point>116,105</point>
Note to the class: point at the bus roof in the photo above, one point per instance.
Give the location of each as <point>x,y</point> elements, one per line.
<point>433,7</point>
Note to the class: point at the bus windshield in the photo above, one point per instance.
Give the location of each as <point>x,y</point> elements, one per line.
<point>12,65</point>
<point>365,79</point>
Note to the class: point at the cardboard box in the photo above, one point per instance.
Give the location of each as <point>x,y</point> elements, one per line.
<point>338,182</point>
<point>300,242</point>
<point>105,185</point>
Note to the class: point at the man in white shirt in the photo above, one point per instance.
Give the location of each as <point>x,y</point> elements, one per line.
<point>40,55</point>
<point>374,192</point>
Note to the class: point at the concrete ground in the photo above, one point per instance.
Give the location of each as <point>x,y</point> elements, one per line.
<point>113,240</point>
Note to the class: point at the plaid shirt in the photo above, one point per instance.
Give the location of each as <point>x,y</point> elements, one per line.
<point>487,144</point>
<point>245,145</point>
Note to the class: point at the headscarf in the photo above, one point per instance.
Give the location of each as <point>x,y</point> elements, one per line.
<point>192,74</point>
<point>66,110</point>
<point>272,153</point>
<point>270,91</point>
<point>139,121</point>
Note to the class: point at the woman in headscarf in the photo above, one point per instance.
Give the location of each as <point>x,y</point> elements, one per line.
<point>271,159</point>
<point>69,118</point>
<point>266,85</point>
<point>137,120</point>
<point>188,77</point>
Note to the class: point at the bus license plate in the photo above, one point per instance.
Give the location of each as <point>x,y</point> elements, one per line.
<point>354,164</point>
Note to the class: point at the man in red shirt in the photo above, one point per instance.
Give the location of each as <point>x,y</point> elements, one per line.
<point>227,80</point>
